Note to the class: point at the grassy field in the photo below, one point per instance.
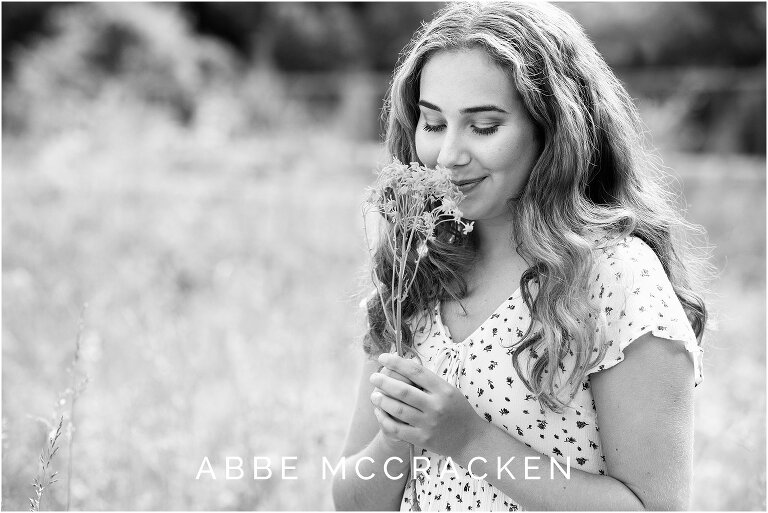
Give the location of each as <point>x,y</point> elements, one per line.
<point>222,281</point>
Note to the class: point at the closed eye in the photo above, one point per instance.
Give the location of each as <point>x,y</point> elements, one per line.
<point>478,130</point>
<point>485,131</point>
<point>433,128</point>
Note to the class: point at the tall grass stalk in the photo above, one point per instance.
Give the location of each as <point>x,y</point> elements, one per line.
<point>43,480</point>
<point>76,388</point>
<point>67,399</point>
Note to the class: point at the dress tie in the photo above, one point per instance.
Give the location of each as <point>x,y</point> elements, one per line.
<point>450,362</point>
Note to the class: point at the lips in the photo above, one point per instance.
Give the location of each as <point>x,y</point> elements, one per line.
<point>468,181</point>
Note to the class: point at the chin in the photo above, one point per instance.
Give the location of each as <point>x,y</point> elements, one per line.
<point>468,213</point>
<point>473,210</point>
<point>477,213</point>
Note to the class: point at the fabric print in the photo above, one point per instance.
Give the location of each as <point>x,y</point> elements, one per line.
<point>633,296</point>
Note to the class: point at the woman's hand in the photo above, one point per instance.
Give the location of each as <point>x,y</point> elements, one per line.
<point>396,445</point>
<point>421,408</point>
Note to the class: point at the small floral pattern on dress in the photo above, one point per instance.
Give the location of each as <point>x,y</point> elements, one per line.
<point>633,297</point>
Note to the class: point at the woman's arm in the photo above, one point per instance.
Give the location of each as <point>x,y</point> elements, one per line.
<point>364,439</point>
<point>645,410</point>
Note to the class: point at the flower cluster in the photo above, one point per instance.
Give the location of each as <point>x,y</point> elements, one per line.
<point>417,199</point>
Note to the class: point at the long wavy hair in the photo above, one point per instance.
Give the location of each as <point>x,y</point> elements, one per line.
<point>594,174</point>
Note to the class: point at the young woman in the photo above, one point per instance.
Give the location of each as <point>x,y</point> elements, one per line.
<point>566,325</point>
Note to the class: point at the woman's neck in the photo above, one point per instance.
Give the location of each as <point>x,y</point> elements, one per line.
<point>495,241</point>
<point>498,266</point>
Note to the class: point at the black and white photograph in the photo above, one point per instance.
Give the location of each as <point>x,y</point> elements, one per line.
<point>492,255</point>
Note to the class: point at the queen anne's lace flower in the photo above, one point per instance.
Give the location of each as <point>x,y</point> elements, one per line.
<point>417,199</point>
<point>414,200</point>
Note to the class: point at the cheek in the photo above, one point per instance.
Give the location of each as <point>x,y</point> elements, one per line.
<point>501,160</point>
<point>518,153</point>
<point>425,150</point>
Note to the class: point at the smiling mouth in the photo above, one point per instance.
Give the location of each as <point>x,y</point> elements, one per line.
<point>466,184</point>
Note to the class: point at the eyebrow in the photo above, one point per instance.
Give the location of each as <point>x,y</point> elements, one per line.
<point>468,110</point>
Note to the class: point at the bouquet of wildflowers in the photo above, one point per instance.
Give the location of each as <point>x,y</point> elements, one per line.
<point>414,200</point>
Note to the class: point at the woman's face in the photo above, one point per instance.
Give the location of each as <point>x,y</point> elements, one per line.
<point>473,122</point>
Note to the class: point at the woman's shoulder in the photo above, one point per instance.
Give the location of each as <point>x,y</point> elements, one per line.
<point>628,265</point>
<point>603,240</point>
<point>625,251</point>
<point>633,296</point>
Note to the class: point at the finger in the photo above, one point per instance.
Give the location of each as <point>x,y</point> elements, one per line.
<point>411,370</point>
<point>383,418</point>
<point>395,429</point>
<point>403,392</point>
<point>396,409</point>
<point>396,375</point>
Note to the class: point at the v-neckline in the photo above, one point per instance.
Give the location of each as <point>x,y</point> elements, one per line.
<point>447,332</point>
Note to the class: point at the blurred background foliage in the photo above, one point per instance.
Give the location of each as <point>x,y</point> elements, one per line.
<point>697,67</point>
<point>194,172</point>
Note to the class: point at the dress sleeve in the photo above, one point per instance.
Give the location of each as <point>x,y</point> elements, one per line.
<point>635,297</point>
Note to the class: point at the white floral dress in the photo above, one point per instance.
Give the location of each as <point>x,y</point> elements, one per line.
<point>634,297</point>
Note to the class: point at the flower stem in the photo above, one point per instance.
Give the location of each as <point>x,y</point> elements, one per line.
<point>403,259</point>
<point>376,281</point>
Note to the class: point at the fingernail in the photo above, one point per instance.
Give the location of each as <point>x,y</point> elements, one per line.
<point>375,396</point>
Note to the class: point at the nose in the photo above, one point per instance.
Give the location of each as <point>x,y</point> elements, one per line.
<point>453,151</point>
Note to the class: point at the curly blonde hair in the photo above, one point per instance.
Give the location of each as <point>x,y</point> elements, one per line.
<point>594,174</point>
